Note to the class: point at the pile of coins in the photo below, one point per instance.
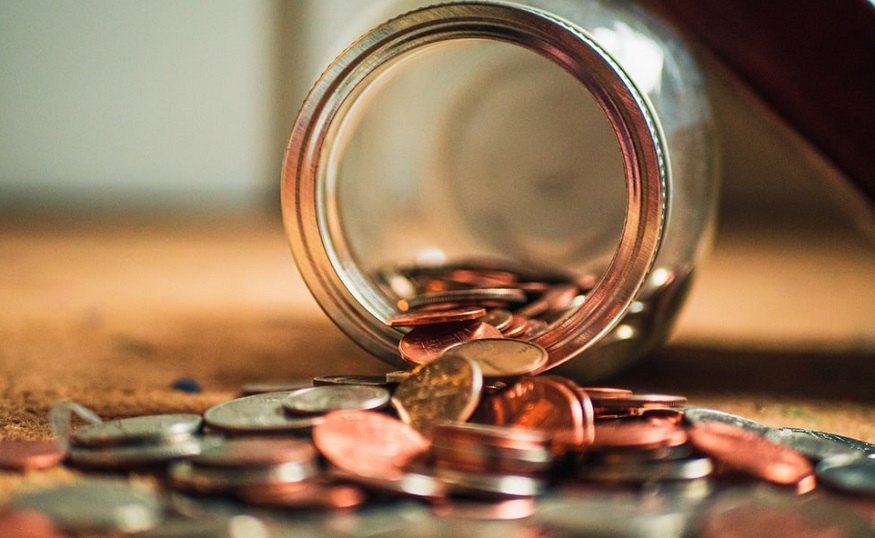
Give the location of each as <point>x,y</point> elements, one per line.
<point>474,432</point>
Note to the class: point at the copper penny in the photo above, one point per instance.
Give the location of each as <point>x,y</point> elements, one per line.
<point>639,401</point>
<point>428,342</point>
<point>605,392</point>
<point>20,523</point>
<point>501,358</point>
<point>498,318</point>
<point>478,296</point>
<point>255,452</point>
<point>427,317</point>
<point>305,495</point>
<point>516,327</point>
<point>445,389</point>
<point>21,455</point>
<point>368,444</point>
<point>641,435</point>
<point>746,451</point>
<point>539,403</point>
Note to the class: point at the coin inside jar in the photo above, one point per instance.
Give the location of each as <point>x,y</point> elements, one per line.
<point>326,398</point>
<point>501,358</point>
<point>428,342</point>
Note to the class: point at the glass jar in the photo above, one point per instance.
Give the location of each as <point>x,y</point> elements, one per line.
<point>565,141</point>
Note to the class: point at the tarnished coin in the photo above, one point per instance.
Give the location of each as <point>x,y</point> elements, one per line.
<point>704,415</point>
<point>368,444</point>
<point>128,456</point>
<point>96,505</point>
<point>445,389</point>
<point>426,343</point>
<point>257,413</point>
<point>502,358</point>
<point>324,399</point>
<point>370,380</point>
<point>255,452</point>
<point>746,451</point>
<point>427,317</point>
<point>816,447</point>
<point>21,455</point>
<point>853,474</point>
<point>144,429</point>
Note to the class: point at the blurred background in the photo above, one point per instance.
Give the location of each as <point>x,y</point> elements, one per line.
<point>187,106</point>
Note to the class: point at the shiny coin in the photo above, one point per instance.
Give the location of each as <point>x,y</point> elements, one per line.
<point>639,401</point>
<point>746,451</point>
<point>265,387</point>
<point>144,429</point>
<point>639,473</point>
<point>189,476</point>
<point>324,399</point>
<point>496,485</point>
<point>22,456</point>
<point>643,435</point>
<point>257,413</point>
<point>368,444</point>
<point>445,389</point>
<point>556,297</point>
<point>703,415</point>
<point>466,296</point>
<point>498,318</point>
<point>397,376</point>
<point>501,357</point>
<point>852,474</point>
<point>95,505</point>
<point>305,495</point>
<point>426,343</point>
<point>124,457</point>
<point>409,484</point>
<point>811,444</point>
<point>255,452</point>
<point>856,444</point>
<point>493,449</point>
<point>490,510</point>
<point>517,326</point>
<point>414,318</point>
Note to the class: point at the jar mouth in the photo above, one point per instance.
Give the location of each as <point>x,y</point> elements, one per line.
<point>309,202</point>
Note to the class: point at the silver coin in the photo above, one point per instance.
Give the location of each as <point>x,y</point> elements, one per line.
<point>370,380</point>
<point>265,387</point>
<point>502,357</point>
<point>850,442</point>
<point>327,398</point>
<point>257,413</point>
<point>151,428</point>
<point>704,415</point>
<point>187,475</point>
<point>123,457</point>
<point>810,444</point>
<point>497,485</point>
<point>853,474</point>
<point>639,473</point>
<point>96,505</point>
<point>409,484</point>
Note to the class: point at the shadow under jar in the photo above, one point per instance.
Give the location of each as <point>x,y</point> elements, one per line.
<point>565,143</point>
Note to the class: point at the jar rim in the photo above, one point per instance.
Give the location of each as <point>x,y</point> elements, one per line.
<point>332,276</point>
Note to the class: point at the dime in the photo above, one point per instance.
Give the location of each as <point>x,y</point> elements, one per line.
<point>853,474</point>
<point>368,444</point>
<point>703,415</point>
<point>816,447</point>
<point>257,413</point>
<point>23,456</point>
<point>95,505</point>
<point>746,451</point>
<point>501,358</point>
<point>428,342</point>
<point>397,376</point>
<point>445,389</point>
<point>144,429</point>
<point>414,317</point>
<point>850,442</point>
<point>324,399</point>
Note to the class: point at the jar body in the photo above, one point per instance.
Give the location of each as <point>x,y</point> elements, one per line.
<point>560,136</point>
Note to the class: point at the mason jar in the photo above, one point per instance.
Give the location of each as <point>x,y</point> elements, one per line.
<point>562,141</point>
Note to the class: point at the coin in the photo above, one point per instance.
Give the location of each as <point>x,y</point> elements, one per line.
<point>460,297</point>
<point>853,474</point>
<point>255,452</point>
<point>816,447</point>
<point>850,442</point>
<point>257,413</point>
<point>23,456</point>
<point>501,357</point>
<point>265,387</point>
<point>371,380</point>
<point>445,389</point>
<point>305,495</point>
<point>746,451</point>
<point>619,434</point>
<point>638,401</point>
<point>95,505</point>
<point>496,485</point>
<point>128,456</point>
<point>190,476</point>
<point>150,428</point>
<point>703,415</point>
<point>368,444</point>
<point>428,342</point>
<point>477,509</point>
<point>415,317</point>
<point>498,318</point>
<point>683,469</point>
<point>27,524</point>
<point>324,399</point>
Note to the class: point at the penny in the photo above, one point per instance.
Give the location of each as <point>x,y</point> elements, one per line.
<point>555,298</point>
<point>540,403</point>
<point>606,392</point>
<point>27,524</point>
<point>502,510</point>
<point>853,474</point>
<point>255,452</point>
<point>494,449</point>
<point>684,469</point>
<point>129,456</point>
<point>445,389</point>
<point>426,343</point>
<point>257,413</point>
<point>498,318</point>
<point>95,505</point>
<point>305,495</point>
<point>368,444</point>
<point>190,476</point>
<point>639,401</point>
<point>496,485</point>
<point>323,399</point>
<point>23,456</point>
<point>415,318</point>
<point>150,428</point>
<point>466,296</point>
<point>746,451</point>
<point>613,435</point>
<point>502,358</point>
<point>406,483</point>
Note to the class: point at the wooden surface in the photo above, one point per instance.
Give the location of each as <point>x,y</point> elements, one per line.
<point>110,311</point>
